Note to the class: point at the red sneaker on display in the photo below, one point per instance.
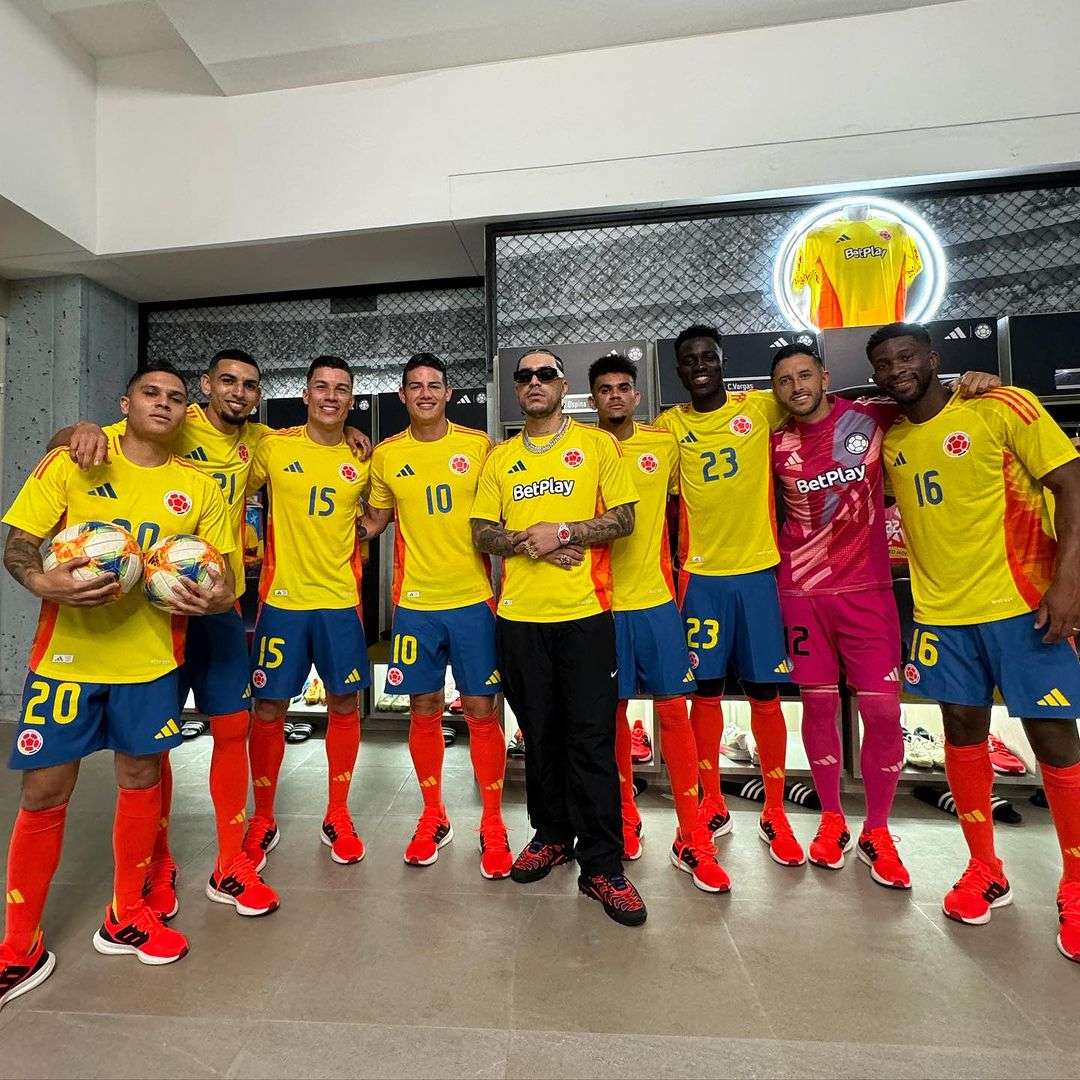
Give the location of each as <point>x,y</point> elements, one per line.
<point>1003,760</point>
<point>877,848</point>
<point>1068,903</point>
<point>698,859</point>
<point>140,933</point>
<point>775,830</point>
<point>640,744</point>
<point>260,838</point>
<point>832,842</point>
<point>496,858</point>
<point>159,892</point>
<point>339,835</point>
<point>433,831</point>
<point>240,885</point>
<point>979,889</point>
<point>20,974</point>
<point>714,815</point>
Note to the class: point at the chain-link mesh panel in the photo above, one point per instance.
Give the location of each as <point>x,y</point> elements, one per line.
<point>1008,253</point>
<point>376,333</point>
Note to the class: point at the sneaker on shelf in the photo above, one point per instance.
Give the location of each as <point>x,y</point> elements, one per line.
<point>496,858</point>
<point>734,746</point>
<point>631,841</point>
<point>697,857</point>
<point>398,703</point>
<point>240,885</point>
<point>640,744</point>
<point>1068,905</point>
<point>313,691</point>
<point>621,901</point>
<point>537,859</point>
<point>715,816</point>
<point>517,745</point>
<point>751,748</point>
<point>21,974</point>
<point>140,933</point>
<point>918,749</point>
<point>456,706</point>
<point>260,838</point>
<point>159,891</point>
<point>980,888</point>
<point>433,831</point>
<point>1003,760</point>
<point>775,830</point>
<point>339,835</point>
<point>877,848</point>
<point>833,841</point>
<point>937,749</point>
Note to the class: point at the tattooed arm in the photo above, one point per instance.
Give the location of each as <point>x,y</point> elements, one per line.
<point>22,558</point>
<point>541,538</point>
<point>492,539</point>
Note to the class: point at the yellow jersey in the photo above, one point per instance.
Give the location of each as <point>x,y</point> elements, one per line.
<point>727,511</point>
<point>858,272</point>
<point>641,562</point>
<point>312,557</point>
<point>129,640</point>
<point>576,478</point>
<point>979,535</point>
<point>225,459</point>
<point>431,487</point>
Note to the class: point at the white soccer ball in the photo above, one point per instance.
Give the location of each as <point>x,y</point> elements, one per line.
<point>110,548</point>
<point>176,557</point>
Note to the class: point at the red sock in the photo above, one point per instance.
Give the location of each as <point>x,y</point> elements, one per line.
<point>161,840</point>
<point>33,856</point>
<point>342,746</point>
<point>229,782</point>
<point>266,748</point>
<point>971,779</point>
<point>770,733</point>
<point>625,764</point>
<point>707,720</point>
<point>680,757</point>
<point>426,746</point>
<point>488,752</point>
<point>1062,786</point>
<point>138,811</point>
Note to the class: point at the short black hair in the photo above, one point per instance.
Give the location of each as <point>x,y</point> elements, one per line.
<point>542,351</point>
<point>334,362</point>
<point>795,349</point>
<point>233,354</point>
<point>696,331</point>
<point>614,363</point>
<point>898,329</point>
<point>149,369</point>
<point>423,359</point>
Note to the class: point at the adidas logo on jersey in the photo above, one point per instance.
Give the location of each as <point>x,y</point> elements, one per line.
<point>352,677</point>
<point>170,727</point>
<point>689,437</point>
<point>779,343</point>
<point>1054,700</point>
<point>793,460</point>
<point>464,400</point>
<point>518,466</point>
<point>406,470</point>
<point>294,467</point>
<point>105,491</point>
<point>198,454</point>
<point>843,238</point>
<point>899,460</point>
<point>956,334</point>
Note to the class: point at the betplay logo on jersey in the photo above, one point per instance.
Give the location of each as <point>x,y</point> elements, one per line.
<point>830,478</point>
<point>550,485</point>
<point>870,251</point>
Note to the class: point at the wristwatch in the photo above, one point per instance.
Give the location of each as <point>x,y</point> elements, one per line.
<point>563,533</point>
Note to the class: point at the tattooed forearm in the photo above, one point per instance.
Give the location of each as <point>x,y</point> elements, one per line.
<point>492,538</point>
<point>611,525</point>
<point>22,556</point>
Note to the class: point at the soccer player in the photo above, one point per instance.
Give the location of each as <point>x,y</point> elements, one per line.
<point>550,502</point>
<point>102,671</point>
<point>649,636</point>
<point>997,599</point>
<point>426,479</point>
<point>727,576</point>
<point>310,602</point>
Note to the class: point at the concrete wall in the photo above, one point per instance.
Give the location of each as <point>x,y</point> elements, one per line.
<point>71,347</point>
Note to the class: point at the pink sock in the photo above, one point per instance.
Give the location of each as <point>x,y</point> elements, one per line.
<point>821,740</point>
<point>882,754</point>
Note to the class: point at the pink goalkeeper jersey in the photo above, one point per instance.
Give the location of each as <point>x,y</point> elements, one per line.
<point>833,539</point>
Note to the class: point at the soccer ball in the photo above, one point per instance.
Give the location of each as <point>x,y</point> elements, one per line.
<point>110,549</point>
<point>174,557</point>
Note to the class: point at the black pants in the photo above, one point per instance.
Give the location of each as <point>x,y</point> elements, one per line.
<point>560,680</point>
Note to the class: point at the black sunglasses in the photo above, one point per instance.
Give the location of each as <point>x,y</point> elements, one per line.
<point>524,376</point>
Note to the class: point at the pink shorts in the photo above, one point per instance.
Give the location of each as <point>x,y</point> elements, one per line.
<point>856,632</point>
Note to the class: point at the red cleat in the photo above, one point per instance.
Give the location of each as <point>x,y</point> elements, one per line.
<point>980,888</point>
<point>261,837</point>
<point>775,830</point>
<point>140,933</point>
<point>640,744</point>
<point>698,859</point>
<point>159,892</point>
<point>241,886</point>
<point>496,858</point>
<point>433,831</point>
<point>339,835</point>
<point>714,814</point>
<point>1068,902</point>
<point>877,848</point>
<point>832,842</point>
<point>21,974</point>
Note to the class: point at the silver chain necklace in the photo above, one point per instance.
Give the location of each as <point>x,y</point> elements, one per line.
<point>534,449</point>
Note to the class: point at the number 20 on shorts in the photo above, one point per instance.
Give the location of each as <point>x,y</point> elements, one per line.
<point>65,702</point>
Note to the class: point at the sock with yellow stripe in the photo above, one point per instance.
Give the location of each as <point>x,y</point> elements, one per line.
<point>487,749</point>
<point>680,757</point>
<point>138,813</point>
<point>707,722</point>
<point>266,748</point>
<point>1062,786</point>
<point>971,780</point>
<point>426,747</point>
<point>342,746</point>
<point>161,840</point>
<point>770,734</point>
<point>33,856</point>
<point>229,782</point>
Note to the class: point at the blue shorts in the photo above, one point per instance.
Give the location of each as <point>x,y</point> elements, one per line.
<point>424,642</point>
<point>216,664</point>
<point>650,644</point>
<point>67,721</point>
<point>287,643</point>
<point>733,624</point>
<point>961,665</point>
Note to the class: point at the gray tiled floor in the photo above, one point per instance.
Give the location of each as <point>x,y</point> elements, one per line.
<point>385,970</point>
